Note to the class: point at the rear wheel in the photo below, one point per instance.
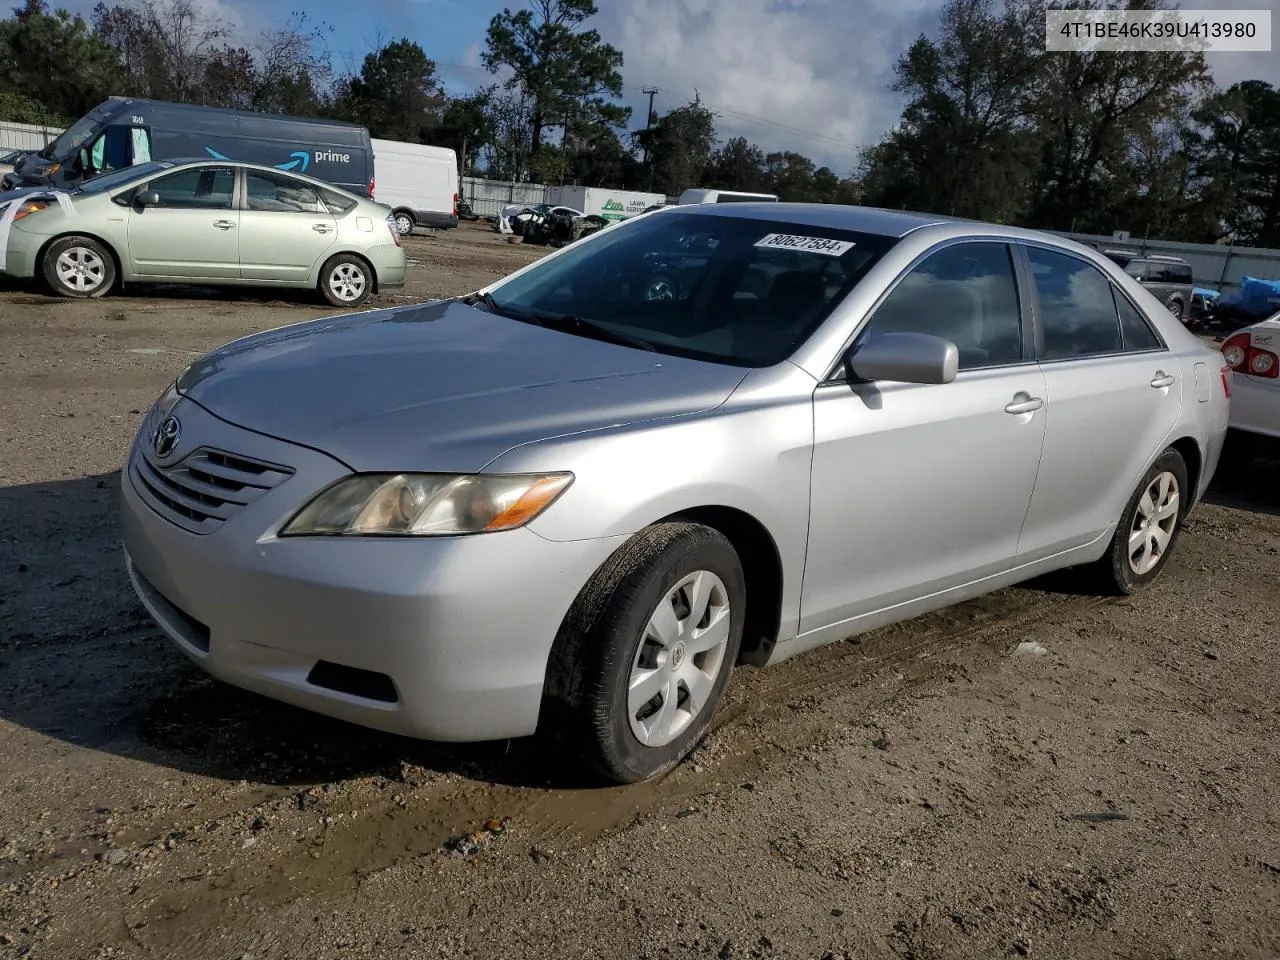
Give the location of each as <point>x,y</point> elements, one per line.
<point>1175,308</point>
<point>404,222</point>
<point>644,655</point>
<point>79,267</point>
<point>346,280</point>
<point>1149,526</point>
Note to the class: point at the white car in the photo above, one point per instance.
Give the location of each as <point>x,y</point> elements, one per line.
<point>1253,354</point>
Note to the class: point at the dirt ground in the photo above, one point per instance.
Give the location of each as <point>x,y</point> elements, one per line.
<point>924,791</point>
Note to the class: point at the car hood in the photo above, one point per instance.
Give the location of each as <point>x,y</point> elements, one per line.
<point>440,386</point>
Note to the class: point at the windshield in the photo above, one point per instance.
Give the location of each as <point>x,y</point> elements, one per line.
<point>71,139</point>
<point>118,178</point>
<point>733,290</point>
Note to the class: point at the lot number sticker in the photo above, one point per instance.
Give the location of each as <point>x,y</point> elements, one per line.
<point>784,241</point>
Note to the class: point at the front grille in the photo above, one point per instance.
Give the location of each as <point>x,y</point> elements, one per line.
<point>204,489</point>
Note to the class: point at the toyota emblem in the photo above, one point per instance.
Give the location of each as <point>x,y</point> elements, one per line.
<point>166,436</point>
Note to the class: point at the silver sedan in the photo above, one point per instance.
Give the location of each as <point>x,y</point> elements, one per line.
<point>567,502</point>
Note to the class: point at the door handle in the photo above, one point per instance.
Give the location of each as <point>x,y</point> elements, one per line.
<point>223,224</point>
<point>321,227</point>
<point>1024,403</point>
<point>1162,380</point>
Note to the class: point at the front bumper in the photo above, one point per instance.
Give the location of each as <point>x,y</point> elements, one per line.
<point>441,639</point>
<point>20,253</point>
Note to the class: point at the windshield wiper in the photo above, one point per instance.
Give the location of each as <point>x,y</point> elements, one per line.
<point>570,323</point>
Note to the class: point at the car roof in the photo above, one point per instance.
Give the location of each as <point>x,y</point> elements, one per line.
<point>889,223</point>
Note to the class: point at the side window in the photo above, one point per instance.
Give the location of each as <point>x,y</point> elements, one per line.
<point>964,293</point>
<point>338,203</point>
<point>1136,269</point>
<point>279,193</point>
<point>1180,273</point>
<point>1137,333</point>
<point>200,188</point>
<point>1076,307</point>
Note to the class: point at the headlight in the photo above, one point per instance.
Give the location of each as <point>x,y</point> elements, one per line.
<point>427,504</point>
<point>28,207</point>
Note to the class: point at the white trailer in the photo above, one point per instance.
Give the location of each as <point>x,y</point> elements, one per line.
<point>610,204</point>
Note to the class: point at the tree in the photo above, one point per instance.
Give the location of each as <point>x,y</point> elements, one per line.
<point>1233,150</point>
<point>1087,110</point>
<point>963,145</point>
<point>739,165</point>
<point>564,72</point>
<point>466,126</point>
<point>679,145</point>
<point>396,94</point>
<point>165,45</point>
<point>509,147</point>
<point>53,66</point>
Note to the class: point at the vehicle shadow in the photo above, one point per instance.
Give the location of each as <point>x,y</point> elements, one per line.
<point>35,293</point>
<point>80,661</point>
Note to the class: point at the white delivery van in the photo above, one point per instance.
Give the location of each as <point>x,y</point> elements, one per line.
<point>419,183</point>
<point>702,195</point>
<point>610,204</point>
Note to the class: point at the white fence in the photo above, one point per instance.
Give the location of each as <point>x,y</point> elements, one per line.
<point>488,197</point>
<point>25,136</point>
<point>1216,266</point>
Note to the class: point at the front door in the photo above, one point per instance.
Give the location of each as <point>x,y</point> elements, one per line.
<point>1103,364</point>
<point>286,231</point>
<point>191,234</point>
<point>917,488</point>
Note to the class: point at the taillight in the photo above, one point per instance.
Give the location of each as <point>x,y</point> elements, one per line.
<point>1226,381</point>
<point>455,204</point>
<point>1243,357</point>
<point>371,188</point>
<point>391,225</point>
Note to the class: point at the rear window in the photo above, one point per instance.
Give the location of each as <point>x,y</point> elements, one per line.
<point>734,290</point>
<point>339,204</point>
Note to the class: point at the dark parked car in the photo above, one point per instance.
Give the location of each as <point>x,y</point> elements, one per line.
<point>1168,279</point>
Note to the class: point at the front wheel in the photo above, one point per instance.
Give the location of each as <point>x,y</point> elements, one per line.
<point>79,267</point>
<point>644,655</point>
<point>346,280</point>
<point>1149,527</point>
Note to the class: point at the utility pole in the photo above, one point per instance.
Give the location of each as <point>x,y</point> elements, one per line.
<point>648,117</point>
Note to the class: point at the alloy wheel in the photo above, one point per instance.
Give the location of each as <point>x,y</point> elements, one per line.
<point>680,656</point>
<point>1153,523</point>
<point>80,269</point>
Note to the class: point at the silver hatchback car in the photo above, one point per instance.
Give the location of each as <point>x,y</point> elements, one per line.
<point>711,434</point>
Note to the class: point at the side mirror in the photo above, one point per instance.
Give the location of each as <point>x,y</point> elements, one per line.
<point>905,358</point>
<point>147,198</point>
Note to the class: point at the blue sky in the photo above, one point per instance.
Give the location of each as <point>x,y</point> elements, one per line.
<point>804,75</point>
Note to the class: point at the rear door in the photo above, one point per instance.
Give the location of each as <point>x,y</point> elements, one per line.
<point>285,229</point>
<point>1114,393</point>
<point>192,234</point>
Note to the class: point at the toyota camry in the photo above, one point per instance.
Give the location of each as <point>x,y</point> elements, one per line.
<point>573,501</point>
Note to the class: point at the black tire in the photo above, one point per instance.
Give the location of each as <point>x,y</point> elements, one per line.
<point>79,267</point>
<point>1115,571</point>
<point>603,637</point>
<point>405,222</point>
<point>1175,308</point>
<point>349,266</point>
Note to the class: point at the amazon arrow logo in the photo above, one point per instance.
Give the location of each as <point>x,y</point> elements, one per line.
<point>301,160</point>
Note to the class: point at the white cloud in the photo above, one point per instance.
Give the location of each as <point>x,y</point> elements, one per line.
<point>821,66</point>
